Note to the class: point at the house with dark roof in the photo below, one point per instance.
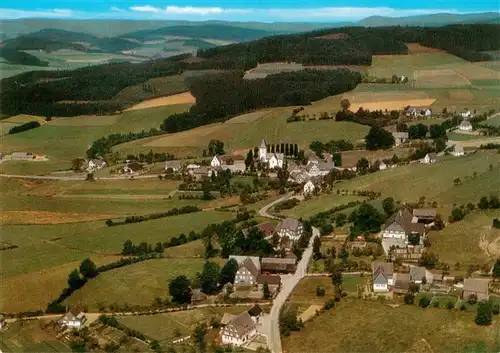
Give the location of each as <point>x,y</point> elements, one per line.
<point>382,276</point>
<point>401,283</point>
<point>291,228</point>
<point>401,225</point>
<point>255,312</point>
<point>273,282</point>
<point>418,273</point>
<point>424,215</point>
<point>266,227</point>
<point>239,331</point>
<point>477,287</point>
<point>248,270</point>
<point>277,264</point>
<point>400,137</point>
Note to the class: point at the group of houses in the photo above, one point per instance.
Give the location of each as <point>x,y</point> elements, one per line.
<point>406,223</point>
<point>385,280</point>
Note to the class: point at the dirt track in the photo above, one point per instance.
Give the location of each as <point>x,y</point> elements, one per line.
<point>181,98</point>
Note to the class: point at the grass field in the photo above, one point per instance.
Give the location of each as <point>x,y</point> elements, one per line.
<point>495,121</point>
<point>180,98</point>
<point>74,135</point>
<point>362,326</point>
<point>250,128</point>
<point>473,240</point>
<point>409,183</point>
<point>149,278</point>
<point>307,208</point>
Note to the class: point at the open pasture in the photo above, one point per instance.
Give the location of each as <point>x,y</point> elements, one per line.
<point>246,134</point>
<point>323,202</point>
<point>180,98</point>
<point>149,278</point>
<point>364,326</point>
<point>439,78</point>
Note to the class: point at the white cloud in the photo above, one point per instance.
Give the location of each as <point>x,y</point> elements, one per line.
<point>146,8</point>
<point>45,13</point>
<point>189,10</point>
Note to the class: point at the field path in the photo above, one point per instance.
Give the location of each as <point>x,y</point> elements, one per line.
<point>270,323</point>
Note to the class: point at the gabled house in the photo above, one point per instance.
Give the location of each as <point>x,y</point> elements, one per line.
<point>298,175</point>
<point>458,150</point>
<point>290,228</point>
<point>263,151</point>
<point>197,296</point>
<point>424,215</point>
<point>382,276</point>
<point>308,188</point>
<point>313,170</point>
<point>133,168</point>
<point>95,164</point>
<point>217,162</point>
<point>266,227</point>
<point>476,286</point>
<point>429,158</point>
<point>74,318</point>
<point>418,273</point>
<point>400,226</point>
<point>248,270</point>
<point>175,166</point>
<point>400,138</point>
<point>276,160</point>
<point>239,331</point>
<point>401,283</point>
<point>273,282</point>
<point>465,125</point>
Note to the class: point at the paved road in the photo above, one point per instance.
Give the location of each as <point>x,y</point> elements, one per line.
<point>270,324</point>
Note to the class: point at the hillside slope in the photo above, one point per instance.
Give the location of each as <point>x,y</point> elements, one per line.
<point>435,20</point>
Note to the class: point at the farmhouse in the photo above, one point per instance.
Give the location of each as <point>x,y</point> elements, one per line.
<point>401,226</point>
<point>217,162</point>
<point>273,282</point>
<point>197,296</point>
<point>266,227</point>
<point>458,150</point>
<point>418,112</point>
<point>290,228</point>
<point>95,164</point>
<point>273,160</point>
<point>276,264</point>
<point>74,318</point>
<point>22,156</point>
<point>418,273</point>
<point>382,276</point>
<point>401,283</point>
<point>410,253</point>
<point>174,166</point>
<point>400,138</point>
<point>429,158</point>
<point>240,330</point>
<point>132,168</point>
<point>465,125</point>
<point>298,174</point>
<point>248,269</point>
<point>424,215</point>
<point>477,287</point>
<point>466,114</point>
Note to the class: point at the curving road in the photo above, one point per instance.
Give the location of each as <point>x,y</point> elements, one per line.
<point>270,324</point>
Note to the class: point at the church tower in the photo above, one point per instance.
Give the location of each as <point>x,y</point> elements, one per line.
<point>263,151</point>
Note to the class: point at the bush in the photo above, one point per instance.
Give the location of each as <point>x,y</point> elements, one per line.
<point>450,305</point>
<point>320,291</point>
<point>484,313</point>
<point>472,299</point>
<point>409,298</point>
<point>496,309</point>
<point>435,303</point>
<point>424,302</point>
<point>329,304</point>
<point>24,127</point>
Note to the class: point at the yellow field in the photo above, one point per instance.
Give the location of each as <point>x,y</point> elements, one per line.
<point>181,98</point>
<point>37,217</point>
<point>24,118</point>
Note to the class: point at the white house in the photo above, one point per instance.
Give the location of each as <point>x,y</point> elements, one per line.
<point>95,164</point>
<point>290,228</point>
<point>248,269</point>
<point>276,160</point>
<point>216,162</point>
<point>466,114</point>
<point>239,331</point>
<point>401,225</point>
<point>429,158</point>
<point>418,111</point>
<point>382,276</point>
<point>382,166</point>
<point>309,188</point>
<point>74,318</point>
<point>400,138</point>
<point>458,150</point>
<point>465,125</point>
<point>263,151</point>
<point>313,170</point>
<point>174,165</point>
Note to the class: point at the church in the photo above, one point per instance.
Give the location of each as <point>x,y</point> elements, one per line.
<point>273,160</point>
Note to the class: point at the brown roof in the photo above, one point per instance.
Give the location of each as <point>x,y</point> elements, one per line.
<point>197,295</point>
<point>479,285</point>
<point>289,223</point>
<point>267,228</point>
<point>250,266</point>
<point>242,324</point>
<point>424,213</point>
<point>278,264</point>
<point>403,218</point>
<point>226,318</point>
<point>134,166</point>
<point>256,310</point>
<point>273,280</point>
<point>401,282</point>
<point>382,267</point>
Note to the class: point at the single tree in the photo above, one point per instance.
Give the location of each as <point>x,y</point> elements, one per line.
<point>209,278</point>
<point>249,159</point>
<point>228,272</point>
<point>74,280</point>
<point>409,298</point>
<point>484,314</point>
<point>389,206</point>
<point>345,104</point>
<point>199,337</point>
<point>88,269</point>
<point>483,203</point>
<point>496,269</point>
<point>379,138</point>
<point>180,290</point>
<point>265,290</point>
<point>317,249</point>
<point>362,165</point>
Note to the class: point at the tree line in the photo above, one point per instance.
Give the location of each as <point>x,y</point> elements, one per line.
<point>222,96</point>
<point>24,127</point>
<point>173,212</point>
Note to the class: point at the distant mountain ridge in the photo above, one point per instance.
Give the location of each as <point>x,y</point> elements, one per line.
<point>115,28</point>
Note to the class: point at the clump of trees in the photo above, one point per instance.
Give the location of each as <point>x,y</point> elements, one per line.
<point>379,138</point>
<point>24,127</point>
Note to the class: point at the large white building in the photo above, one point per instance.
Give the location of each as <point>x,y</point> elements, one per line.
<point>273,160</point>
<point>239,331</point>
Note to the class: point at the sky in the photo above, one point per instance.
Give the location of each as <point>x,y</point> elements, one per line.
<point>238,10</point>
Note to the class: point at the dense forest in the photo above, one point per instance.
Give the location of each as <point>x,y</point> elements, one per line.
<point>39,92</point>
<point>21,58</point>
<point>354,45</point>
<point>219,97</point>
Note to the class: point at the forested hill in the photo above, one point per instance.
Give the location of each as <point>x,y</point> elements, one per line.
<point>355,45</point>
<point>50,40</point>
<point>208,31</point>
